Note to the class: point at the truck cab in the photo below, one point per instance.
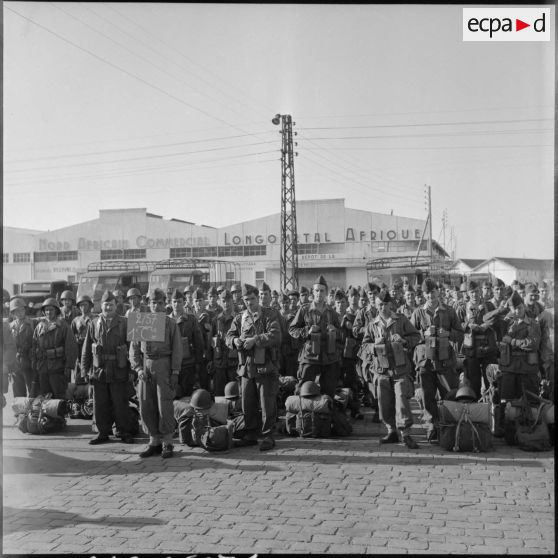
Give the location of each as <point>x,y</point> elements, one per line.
<point>35,292</point>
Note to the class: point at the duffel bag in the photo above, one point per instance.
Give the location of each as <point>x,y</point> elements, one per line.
<point>465,436</point>
<point>452,411</point>
<point>531,433</point>
<point>308,416</point>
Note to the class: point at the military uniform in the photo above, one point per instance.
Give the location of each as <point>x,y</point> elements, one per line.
<point>349,357</point>
<point>24,376</point>
<point>104,360</point>
<point>54,351</point>
<point>225,359</point>
<point>259,368</point>
<point>79,331</point>
<point>155,362</point>
<point>320,357</point>
<point>69,316</point>
<point>393,341</point>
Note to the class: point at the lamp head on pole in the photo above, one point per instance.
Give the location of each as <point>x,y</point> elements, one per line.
<point>276,119</point>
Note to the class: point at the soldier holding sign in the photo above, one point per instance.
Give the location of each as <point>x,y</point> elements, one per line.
<point>157,364</point>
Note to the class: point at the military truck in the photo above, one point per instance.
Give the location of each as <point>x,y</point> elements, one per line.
<point>35,292</point>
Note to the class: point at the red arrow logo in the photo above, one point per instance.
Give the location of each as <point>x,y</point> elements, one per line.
<point>519,25</point>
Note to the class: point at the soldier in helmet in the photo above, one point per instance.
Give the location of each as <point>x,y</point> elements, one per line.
<point>189,299</point>
<point>8,357</point>
<point>204,320</point>
<point>54,351</point>
<point>68,311</point>
<point>393,338</point>
<point>22,331</point>
<point>192,345</point>
<point>212,308</point>
<point>157,365</point>
<point>121,306</point>
<point>435,357</point>
<point>238,303</point>
<point>317,325</point>
<point>134,300</point>
<point>79,330</point>
<point>256,335</point>
<point>104,361</point>
<point>225,360</point>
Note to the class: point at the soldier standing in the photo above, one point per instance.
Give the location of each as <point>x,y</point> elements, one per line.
<point>304,296</point>
<point>192,345</point>
<point>256,335</point>
<point>317,325</point>
<point>238,303</point>
<point>204,319</point>
<point>408,307</point>
<point>79,331</point>
<point>225,360</point>
<point>157,365</point>
<point>22,332</point>
<point>435,357</point>
<point>68,311</point>
<point>134,300</point>
<point>189,299</point>
<point>104,360</point>
<point>393,339</point>
<point>212,308</point>
<point>54,351</point>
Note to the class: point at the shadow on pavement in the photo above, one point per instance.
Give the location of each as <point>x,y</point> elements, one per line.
<point>41,519</point>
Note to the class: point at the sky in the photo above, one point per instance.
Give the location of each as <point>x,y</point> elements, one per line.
<point>169,107</point>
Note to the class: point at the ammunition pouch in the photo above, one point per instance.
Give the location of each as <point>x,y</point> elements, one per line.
<point>382,355</point>
<point>315,339</point>
<point>122,356</point>
<point>97,352</point>
<point>52,354</point>
<point>259,355</point>
<point>430,346</point>
<point>532,357</point>
<point>505,354</point>
<point>233,353</point>
<point>54,358</point>
<point>399,355</point>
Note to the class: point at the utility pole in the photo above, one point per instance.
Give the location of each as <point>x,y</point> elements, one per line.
<point>444,224</point>
<point>289,243</point>
<point>428,200</point>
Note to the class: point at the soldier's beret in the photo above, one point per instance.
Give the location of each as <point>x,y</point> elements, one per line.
<point>499,283</point>
<point>157,295</point>
<point>418,291</point>
<point>320,281</point>
<point>274,292</point>
<point>384,296</point>
<point>177,295</point>
<point>428,285</point>
<point>472,286</point>
<point>236,288</point>
<point>265,287</point>
<point>293,292</point>
<point>212,292</point>
<point>372,287</point>
<point>531,288</point>
<point>249,289</point>
<point>198,294</point>
<point>353,291</point>
<point>515,299</point>
<point>304,290</point>
<point>107,296</point>
<point>339,295</point>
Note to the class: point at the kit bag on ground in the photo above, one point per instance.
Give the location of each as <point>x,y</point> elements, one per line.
<point>527,426</point>
<point>43,416</point>
<point>308,417</point>
<point>464,426</point>
<point>198,429</point>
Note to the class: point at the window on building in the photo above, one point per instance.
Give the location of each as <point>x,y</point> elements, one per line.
<point>180,253</point>
<point>229,276</point>
<point>21,257</point>
<point>307,248</point>
<point>45,256</point>
<point>134,254</point>
<point>260,278</point>
<point>331,248</point>
<point>112,255</point>
<point>258,250</point>
<point>67,256</point>
<point>5,257</point>
<point>230,251</point>
<point>204,252</point>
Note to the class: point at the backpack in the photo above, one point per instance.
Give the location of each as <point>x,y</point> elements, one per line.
<point>531,433</point>
<point>39,421</point>
<point>198,429</point>
<point>308,417</point>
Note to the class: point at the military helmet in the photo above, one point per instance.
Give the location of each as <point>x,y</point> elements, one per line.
<point>68,294</point>
<point>84,298</point>
<point>17,303</point>
<point>231,390</point>
<point>51,302</point>
<point>133,292</point>
<point>309,389</point>
<point>201,399</point>
<point>465,393</point>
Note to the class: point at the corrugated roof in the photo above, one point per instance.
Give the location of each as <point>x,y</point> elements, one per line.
<point>470,262</point>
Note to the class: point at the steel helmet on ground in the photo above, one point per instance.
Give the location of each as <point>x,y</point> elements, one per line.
<point>201,399</point>
<point>465,393</point>
<point>309,389</point>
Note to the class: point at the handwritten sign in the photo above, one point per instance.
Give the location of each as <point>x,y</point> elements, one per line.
<point>146,326</point>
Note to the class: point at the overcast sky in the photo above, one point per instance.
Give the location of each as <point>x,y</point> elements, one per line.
<point>169,107</point>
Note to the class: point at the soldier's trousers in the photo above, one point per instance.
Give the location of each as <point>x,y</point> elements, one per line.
<point>187,377</point>
<point>23,380</point>
<point>430,382</point>
<point>53,381</point>
<point>476,372</point>
<point>259,392</point>
<point>110,404</point>
<point>222,376</point>
<point>350,379</point>
<point>155,396</point>
<point>512,385</point>
<point>394,395</point>
<point>329,376</point>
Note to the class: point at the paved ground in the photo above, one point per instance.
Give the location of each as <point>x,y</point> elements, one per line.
<point>309,496</point>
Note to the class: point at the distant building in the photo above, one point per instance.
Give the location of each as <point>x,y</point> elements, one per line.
<point>522,269</point>
<point>464,266</point>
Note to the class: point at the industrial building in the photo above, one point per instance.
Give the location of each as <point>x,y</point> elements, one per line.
<point>333,240</point>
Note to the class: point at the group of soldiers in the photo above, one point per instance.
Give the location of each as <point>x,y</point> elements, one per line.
<point>376,340</point>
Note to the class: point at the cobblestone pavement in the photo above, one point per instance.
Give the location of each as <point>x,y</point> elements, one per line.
<point>346,495</point>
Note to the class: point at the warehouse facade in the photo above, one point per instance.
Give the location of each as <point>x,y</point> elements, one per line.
<point>333,240</point>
